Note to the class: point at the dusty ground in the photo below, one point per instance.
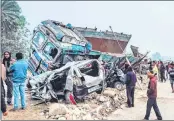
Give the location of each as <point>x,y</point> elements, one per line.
<point>165,102</point>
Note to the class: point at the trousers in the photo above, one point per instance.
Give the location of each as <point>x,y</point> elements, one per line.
<point>19,89</point>
<point>152,103</point>
<point>130,95</point>
<point>9,89</point>
<point>163,77</point>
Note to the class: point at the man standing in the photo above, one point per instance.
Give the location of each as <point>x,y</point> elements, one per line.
<point>162,72</point>
<point>130,86</point>
<point>167,71</point>
<point>19,69</point>
<point>171,76</point>
<point>152,95</point>
<point>126,66</point>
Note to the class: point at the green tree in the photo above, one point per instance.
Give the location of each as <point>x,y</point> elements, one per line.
<point>10,12</point>
<point>14,33</point>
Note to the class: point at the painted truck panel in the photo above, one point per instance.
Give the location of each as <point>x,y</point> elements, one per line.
<point>105,41</point>
<point>106,45</point>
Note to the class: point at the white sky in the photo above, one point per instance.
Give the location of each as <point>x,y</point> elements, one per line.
<point>150,23</point>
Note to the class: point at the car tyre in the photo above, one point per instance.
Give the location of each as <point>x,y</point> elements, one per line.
<point>119,86</point>
<point>101,90</point>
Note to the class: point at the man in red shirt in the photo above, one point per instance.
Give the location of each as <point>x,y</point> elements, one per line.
<point>152,95</point>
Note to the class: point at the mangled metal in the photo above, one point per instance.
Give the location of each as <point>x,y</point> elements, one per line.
<point>55,42</point>
<point>78,79</point>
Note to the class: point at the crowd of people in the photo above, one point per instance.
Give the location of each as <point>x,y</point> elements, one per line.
<point>14,73</point>
<point>156,71</point>
<point>164,71</point>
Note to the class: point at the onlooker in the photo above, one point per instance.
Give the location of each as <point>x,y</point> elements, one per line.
<point>167,70</point>
<point>19,69</point>
<point>162,72</point>
<point>152,95</point>
<point>171,76</point>
<point>3,104</point>
<point>155,69</point>
<point>126,66</point>
<point>7,62</point>
<point>150,65</point>
<point>130,86</point>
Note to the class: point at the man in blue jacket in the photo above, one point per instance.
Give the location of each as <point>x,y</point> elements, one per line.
<point>19,70</point>
<point>131,80</point>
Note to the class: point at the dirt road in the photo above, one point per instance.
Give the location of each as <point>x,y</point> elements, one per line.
<point>165,102</point>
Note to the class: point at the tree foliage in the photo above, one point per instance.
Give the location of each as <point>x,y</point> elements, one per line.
<point>15,37</point>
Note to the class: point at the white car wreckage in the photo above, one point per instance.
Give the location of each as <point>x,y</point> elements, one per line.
<point>74,81</point>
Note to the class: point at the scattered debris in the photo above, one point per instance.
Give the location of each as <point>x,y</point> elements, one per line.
<point>95,107</point>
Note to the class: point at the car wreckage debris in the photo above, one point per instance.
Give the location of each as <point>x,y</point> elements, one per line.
<point>95,107</point>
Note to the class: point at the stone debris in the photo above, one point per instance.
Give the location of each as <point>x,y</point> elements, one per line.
<point>61,118</point>
<point>57,109</point>
<point>95,106</point>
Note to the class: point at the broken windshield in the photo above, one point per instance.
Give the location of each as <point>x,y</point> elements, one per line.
<point>39,39</point>
<point>50,51</point>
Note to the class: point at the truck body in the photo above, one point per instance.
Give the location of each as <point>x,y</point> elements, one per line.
<point>57,43</point>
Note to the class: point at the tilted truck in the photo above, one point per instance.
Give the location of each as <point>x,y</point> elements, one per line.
<point>54,44</point>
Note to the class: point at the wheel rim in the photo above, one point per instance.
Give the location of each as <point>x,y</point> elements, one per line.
<point>118,86</point>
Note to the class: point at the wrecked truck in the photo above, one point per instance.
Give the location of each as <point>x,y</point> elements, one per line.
<point>73,81</point>
<point>54,44</point>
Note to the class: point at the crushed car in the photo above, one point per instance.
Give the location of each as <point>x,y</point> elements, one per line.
<point>74,81</point>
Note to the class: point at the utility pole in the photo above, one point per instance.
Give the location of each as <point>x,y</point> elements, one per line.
<point>125,55</point>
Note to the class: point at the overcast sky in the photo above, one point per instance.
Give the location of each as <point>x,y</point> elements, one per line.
<point>150,23</point>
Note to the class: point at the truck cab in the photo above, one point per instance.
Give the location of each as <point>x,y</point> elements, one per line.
<point>56,43</point>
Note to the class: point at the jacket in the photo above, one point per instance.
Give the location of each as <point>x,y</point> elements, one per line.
<point>162,69</point>
<point>171,73</point>
<point>131,79</point>
<point>19,70</point>
<point>152,87</point>
<point>155,69</point>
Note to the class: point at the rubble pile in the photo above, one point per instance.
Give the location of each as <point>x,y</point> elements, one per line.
<point>144,83</point>
<point>95,107</point>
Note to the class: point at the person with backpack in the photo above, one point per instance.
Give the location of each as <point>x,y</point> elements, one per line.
<point>171,76</point>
